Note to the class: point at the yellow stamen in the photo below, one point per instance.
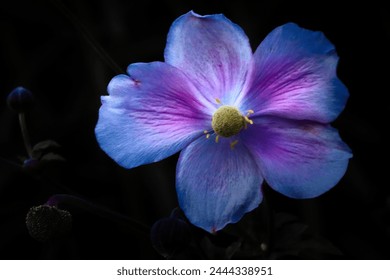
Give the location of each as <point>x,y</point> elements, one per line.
<point>218,100</point>
<point>217,139</point>
<point>232,144</point>
<point>250,112</point>
<point>205,131</point>
<point>248,120</point>
<point>207,136</point>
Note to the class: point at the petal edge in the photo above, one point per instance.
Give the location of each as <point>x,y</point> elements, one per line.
<point>215,184</point>
<point>298,159</point>
<point>150,115</point>
<point>213,52</point>
<point>295,76</point>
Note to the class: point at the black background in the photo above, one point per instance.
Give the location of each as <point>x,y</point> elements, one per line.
<point>48,50</point>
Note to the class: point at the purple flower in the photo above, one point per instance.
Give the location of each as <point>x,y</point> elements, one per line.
<point>238,118</point>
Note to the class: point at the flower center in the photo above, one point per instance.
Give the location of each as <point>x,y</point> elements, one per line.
<point>227,121</point>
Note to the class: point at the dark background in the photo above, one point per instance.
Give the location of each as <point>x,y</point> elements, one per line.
<point>47,47</point>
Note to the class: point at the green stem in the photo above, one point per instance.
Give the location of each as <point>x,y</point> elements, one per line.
<point>268,216</point>
<point>99,210</point>
<point>25,135</point>
<point>9,163</point>
<point>88,36</point>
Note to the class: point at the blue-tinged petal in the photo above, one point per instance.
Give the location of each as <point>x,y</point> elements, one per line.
<point>298,159</point>
<point>213,52</point>
<point>295,77</point>
<point>216,184</point>
<point>149,115</point>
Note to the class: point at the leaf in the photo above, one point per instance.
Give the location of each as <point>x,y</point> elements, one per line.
<point>44,146</point>
<point>221,246</point>
<point>253,233</point>
<point>52,157</point>
<point>293,239</point>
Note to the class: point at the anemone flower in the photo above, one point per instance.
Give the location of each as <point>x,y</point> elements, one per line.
<point>237,117</point>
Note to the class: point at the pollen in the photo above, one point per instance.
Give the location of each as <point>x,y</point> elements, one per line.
<point>227,121</point>
<point>232,144</point>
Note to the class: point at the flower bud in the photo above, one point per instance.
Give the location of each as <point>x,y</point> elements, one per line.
<point>170,236</point>
<point>20,99</point>
<point>46,223</point>
<point>31,165</point>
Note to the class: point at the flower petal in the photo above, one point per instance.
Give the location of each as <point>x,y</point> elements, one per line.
<point>298,159</point>
<point>213,52</point>
<point>295,77</point>
<point>150,115</point>
<point>217,185</point>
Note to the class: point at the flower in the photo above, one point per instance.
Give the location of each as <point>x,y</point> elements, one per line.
<point>237,117</point>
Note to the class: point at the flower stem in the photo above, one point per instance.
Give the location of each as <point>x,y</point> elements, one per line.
<point>25,135</point>
<point>99,210</point>
<point>88,36</point>
<point>9,163</point>
<point>268,216</point>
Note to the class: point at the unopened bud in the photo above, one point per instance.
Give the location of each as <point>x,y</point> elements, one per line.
<point>20,99</point>
<point>46,222</point>
<point>31,165</point>
<point>170,236</point>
